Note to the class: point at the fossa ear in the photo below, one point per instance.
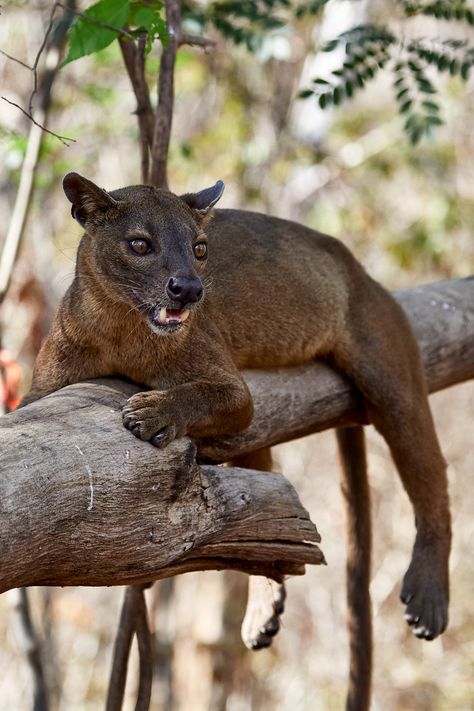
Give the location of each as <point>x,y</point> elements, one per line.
<point>203,201</point>
<point>88,200</point>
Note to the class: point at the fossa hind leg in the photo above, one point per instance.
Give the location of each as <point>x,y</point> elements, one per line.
<point>381,356</point>
<point>266,597</point>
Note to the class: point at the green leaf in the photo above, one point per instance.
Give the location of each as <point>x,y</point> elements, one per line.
<point>148,18</point>
<point>305,93</point>
<point>430,106</point>
<point>406,106</point>
<point>402,93</point>
<point>337,96</point>
<point>87,35</point>
<point>416,134</point>
<point>330,46</point>
<point>369,71</point>
<point>325,99</point>
<point>443,62</point>
<point>426,87</point>
<point>465,69</point>
<point>434,120</point>
<point>454,67</point>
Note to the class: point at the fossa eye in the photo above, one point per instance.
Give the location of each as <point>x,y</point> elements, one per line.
<point>200,250</point>
<point>140,246</point>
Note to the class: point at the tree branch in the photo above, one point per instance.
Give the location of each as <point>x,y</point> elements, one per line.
<point>88,476</point>
<point>194,40</point>
<point>70,501</point>
<point>134,60</point>
<point>164,110</point>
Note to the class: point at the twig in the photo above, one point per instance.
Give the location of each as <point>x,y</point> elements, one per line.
<point>93,21</point>
<point>194,40</point>
<point>64,139</point>
<point>38,55</point>
<point>14,59</point>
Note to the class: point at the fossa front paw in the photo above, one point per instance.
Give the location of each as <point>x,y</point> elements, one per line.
<point>151,417</point>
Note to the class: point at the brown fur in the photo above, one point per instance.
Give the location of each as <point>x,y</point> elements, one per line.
<point>277,294</point>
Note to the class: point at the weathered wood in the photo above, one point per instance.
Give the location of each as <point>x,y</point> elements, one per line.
<point>84,502</point>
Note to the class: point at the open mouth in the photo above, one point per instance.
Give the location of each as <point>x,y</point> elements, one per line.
<point>163,317</point>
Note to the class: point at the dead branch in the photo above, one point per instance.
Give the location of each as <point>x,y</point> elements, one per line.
<point>85,503</point>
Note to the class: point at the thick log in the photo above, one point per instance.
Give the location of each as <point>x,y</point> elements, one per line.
<point>84,502</point>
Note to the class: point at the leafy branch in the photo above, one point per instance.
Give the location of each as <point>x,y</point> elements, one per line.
<point>369,48</point>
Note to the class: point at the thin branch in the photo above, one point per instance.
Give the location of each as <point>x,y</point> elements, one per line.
<point>93,21</point>
<point>194,40</point>
<point>64,139</point>
<point>38,55</point>
<point>14,59</point>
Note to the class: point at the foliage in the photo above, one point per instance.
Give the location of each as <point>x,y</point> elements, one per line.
<point>369,48</point>
<point>105,21</point>
<point>244,22</point>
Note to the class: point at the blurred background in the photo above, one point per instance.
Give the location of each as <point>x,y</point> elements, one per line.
<point>407,213</point>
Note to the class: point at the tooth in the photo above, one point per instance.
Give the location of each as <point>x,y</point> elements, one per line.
<point>184,315</point>
<point>162,315</point>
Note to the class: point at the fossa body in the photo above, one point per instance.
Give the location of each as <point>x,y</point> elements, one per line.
<point>180,297</point>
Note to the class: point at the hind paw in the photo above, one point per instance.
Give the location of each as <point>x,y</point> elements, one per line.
<point>426,599</point>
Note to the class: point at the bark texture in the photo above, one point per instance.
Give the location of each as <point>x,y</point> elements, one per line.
<point>85,503</point>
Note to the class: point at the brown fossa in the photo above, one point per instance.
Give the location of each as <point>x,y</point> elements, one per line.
<point>180,298</point>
